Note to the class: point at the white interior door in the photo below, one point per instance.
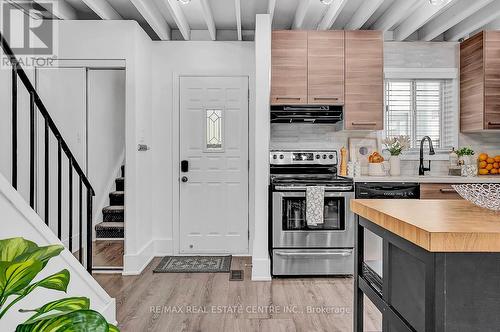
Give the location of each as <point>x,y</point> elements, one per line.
<point>214,142</point>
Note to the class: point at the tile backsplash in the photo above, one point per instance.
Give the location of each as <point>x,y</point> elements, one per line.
<point>323,136</point>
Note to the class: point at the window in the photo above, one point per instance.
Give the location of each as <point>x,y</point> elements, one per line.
<point>214,130</point>
<point>418,108</point>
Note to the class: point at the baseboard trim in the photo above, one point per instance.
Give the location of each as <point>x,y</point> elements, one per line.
<point>109,311</point>
<point>135,264</point>
<point>261,269</point>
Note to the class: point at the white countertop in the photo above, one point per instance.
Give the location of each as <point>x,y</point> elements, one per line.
<point>429,179</point>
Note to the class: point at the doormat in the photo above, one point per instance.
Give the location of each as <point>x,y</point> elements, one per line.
<point>194,264</point>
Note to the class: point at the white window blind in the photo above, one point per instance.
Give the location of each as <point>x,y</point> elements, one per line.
<point>418,108</point>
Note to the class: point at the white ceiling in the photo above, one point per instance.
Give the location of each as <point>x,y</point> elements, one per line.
<point>230,19</point>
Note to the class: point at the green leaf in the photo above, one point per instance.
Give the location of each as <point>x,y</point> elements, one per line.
<point>10,249</point>
<point>58,281</point>
<point>16,276</point>
<point>75,321</point>
<point>113,328</point>
<point>19,249</point>
<point>42,254</point>
<point>58,307</point>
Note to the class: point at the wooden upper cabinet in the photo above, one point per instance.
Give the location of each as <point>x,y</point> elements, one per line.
<point>325,57</point>
<point>480,82</point>
<point>289,68</point>
<point>364,80</point>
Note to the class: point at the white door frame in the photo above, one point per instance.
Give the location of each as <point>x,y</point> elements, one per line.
<point>175,176</point>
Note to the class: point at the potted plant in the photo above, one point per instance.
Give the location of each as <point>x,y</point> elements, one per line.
<point>20,262</point>
<point>396,145</point>
<point>465,156</point>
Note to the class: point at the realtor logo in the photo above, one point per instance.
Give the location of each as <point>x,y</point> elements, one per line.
<point>25,29</point>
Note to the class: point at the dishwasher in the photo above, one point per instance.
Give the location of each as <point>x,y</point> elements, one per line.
<point>372,266</point>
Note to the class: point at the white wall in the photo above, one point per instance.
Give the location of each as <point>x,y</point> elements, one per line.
<point>261,269</point>
<point>19,220</point>
<point>171,60</point>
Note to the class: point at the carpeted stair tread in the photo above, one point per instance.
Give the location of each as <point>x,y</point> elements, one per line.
<point>120,184</point>
<point>110,230</point>
<point>117,198</point>
<point>113,213</point>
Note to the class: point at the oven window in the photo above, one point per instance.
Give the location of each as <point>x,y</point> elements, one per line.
<point>294,214</point>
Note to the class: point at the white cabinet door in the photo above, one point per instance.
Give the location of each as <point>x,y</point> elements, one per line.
<point>214,142</point>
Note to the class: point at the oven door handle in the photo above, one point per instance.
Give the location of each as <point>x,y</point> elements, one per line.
<point>317,253</point>
<point>303,188</point>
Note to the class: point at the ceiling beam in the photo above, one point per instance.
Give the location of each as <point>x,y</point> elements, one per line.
<point>103,9</point>
<point>331,14</point>
<point>363,14</point>
<point>420,17</point>
<point>60,9</point>
<point>209,19</point>
<point>300,14</point>
<point>395,14</point>
<point>179,18</point>
<point>154,18</point>
<point>474,22</point>
<point>237,7</point>
<point>450,18</point>
<point>270,9</point>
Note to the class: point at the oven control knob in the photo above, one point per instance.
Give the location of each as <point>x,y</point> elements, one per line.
<point>282,156</point>
<point>324,156</point>
<point>275,156</point>
<point>318,156</point>
<point>330,156</point>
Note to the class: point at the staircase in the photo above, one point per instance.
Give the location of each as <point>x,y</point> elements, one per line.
<point>112,226</point>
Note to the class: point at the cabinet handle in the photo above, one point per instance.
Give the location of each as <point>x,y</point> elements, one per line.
<point>364,123</point>
<point>493,123</point>
<point>293,98</point>
<point>447,190</point>
<point>326,98</point>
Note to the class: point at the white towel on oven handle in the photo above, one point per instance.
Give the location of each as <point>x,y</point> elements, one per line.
<point>315,205</point>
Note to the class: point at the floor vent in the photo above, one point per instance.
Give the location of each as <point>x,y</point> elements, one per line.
<point>236,275</point>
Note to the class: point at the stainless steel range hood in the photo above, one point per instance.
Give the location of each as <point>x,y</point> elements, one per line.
<point>306,114</point>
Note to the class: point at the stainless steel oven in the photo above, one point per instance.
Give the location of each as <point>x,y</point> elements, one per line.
<point>299,248</point>
<point>290,229</point>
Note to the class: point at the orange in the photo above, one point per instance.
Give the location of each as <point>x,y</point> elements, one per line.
<point>494,171</point>
<point>482,164</point>
<point>497,159</point>
<point>490,160</point>
<point>489,166</point>
<point>483,171</point>
<point>496,165</point>
<point>483,156</point>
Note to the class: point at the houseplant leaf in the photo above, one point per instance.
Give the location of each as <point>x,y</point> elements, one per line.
<point>42,254</point>
<point>58,307</point>
<point>15,276</point>
<point>57,281</point>
<point>75,321</point>
<point>10,249</point>
<point>113,328</point>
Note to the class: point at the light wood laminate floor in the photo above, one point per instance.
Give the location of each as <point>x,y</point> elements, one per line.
<point>209,302</point>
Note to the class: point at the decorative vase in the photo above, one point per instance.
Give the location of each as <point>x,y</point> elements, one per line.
<point>395,169</point>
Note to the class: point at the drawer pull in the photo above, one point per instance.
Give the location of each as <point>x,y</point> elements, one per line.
<point>493,123</point>
<point>364,123</point>
<point>447,190</point>
<point>292,98</point>
<point>326,98</point>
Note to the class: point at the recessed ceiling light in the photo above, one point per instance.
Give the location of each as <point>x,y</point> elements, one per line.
<point>326,2</point>
<point>184,2</point>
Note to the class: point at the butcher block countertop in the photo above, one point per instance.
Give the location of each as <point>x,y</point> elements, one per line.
<point>435,225</point>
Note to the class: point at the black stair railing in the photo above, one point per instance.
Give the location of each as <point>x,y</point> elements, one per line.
<point>62,147</point>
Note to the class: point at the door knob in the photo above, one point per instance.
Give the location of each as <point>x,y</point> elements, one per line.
<point>184,179</point>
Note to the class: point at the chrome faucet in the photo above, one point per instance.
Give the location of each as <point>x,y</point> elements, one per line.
<point>421,168</point>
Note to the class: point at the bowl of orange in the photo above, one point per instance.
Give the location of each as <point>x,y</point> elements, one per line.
<point>488,165</point>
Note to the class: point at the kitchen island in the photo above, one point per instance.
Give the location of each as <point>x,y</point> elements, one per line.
<point>440,267</point>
